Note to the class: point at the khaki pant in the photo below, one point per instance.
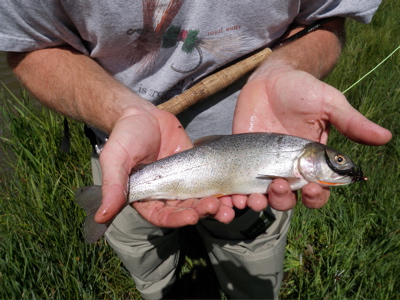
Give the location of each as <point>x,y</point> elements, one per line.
<point>246,267</point>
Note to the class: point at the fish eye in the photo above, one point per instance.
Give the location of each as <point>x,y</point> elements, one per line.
<point>340,159</point>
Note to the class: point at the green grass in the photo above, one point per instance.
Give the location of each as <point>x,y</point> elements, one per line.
<point>43,255</point>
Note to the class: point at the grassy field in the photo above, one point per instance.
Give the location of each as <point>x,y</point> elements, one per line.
<point>350,249</point>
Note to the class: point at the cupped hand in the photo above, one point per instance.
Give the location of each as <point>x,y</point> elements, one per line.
<point>142,136</point>
<point>285,100</point>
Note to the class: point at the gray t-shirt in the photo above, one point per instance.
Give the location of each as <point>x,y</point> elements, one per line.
<point>160,48</point>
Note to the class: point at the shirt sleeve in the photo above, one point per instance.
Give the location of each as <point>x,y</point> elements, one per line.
<point>359,10</point>
<point>32,25</point>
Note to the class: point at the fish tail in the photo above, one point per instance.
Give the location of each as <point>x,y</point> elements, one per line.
<point>89,199</point>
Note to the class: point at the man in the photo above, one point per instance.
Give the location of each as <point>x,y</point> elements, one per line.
<point>109,64</point>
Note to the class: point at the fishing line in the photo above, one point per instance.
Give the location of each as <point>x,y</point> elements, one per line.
<point>354,84</point>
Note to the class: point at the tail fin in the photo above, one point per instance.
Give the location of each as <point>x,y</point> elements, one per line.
<point>89,199</point>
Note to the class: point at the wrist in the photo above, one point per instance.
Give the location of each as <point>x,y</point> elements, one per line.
<point>125,103</point>
<point>137,110</point>
<point>147,113</point>
<point>316,53</point>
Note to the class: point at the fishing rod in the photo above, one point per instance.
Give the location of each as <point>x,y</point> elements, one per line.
<point>223,78</point>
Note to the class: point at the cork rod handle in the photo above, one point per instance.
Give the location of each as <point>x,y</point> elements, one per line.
<point>214,83</point>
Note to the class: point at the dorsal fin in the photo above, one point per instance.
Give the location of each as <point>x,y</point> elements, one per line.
<point>207,139</point>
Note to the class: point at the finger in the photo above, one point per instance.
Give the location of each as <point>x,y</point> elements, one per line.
<point>160,214</point>
<point>257,202</point>
<point>225,214</point>
<point>314,196</point>
<point>211,207</point>
<point>353,124</point>
<point>204,207</point>
<point>280,195</point>
<point>239,201</point>
<point>226,200</point>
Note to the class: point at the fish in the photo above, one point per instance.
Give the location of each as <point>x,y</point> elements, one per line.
<point>225,165</point>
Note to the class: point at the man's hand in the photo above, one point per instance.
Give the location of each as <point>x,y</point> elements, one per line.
<point>284,100</point>
<point>140,137</point>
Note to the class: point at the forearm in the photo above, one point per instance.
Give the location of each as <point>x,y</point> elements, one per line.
<point>76,86</point>
<point>315,53</point>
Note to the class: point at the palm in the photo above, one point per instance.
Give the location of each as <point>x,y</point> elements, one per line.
<point>295,102</point>
<point>289,104</point>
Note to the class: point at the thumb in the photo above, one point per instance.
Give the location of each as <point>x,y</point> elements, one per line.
<point>124,149</point>
<point>114,187</point>
<point>352,124</point>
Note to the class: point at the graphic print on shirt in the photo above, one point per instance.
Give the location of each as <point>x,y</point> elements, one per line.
<point>159,33</point>
<point>157,18</point>
<point>219,47</point>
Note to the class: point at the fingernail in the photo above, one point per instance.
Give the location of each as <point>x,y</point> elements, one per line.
<point>103,210</point>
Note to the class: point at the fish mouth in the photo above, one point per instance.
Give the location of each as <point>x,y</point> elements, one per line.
<point>356,173</point>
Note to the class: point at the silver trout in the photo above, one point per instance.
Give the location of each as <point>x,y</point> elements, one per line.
<point>225,165</point>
